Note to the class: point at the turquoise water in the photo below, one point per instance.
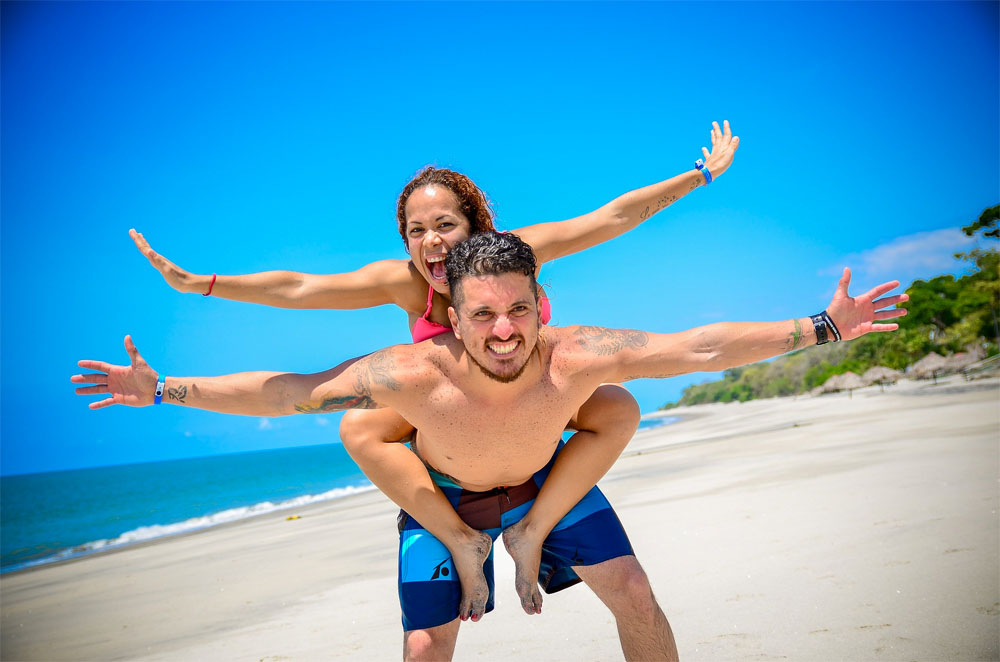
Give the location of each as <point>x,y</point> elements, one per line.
<point>657,422</point>
<point>52,516</point>
<point>64,514</point>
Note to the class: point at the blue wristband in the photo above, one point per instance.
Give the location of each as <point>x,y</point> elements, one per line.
<point>700,165</point>
<point>158,394</point>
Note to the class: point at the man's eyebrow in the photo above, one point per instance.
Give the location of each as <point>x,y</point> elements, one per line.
<point>520,302</point>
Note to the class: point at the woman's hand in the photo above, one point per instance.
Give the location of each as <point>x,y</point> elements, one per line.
<point>724,146</point>
<point>177,278</point>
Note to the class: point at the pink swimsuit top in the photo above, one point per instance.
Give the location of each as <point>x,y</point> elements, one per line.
<point>425,328</point>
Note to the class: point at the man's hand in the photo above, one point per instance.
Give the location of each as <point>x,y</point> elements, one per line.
<point>131,385</point>
<point>177,278</point>
<point>854,316</point>
<point>724,146</point>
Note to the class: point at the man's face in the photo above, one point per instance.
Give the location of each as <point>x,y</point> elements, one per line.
<point>497,323</point>
<point>434,223</point>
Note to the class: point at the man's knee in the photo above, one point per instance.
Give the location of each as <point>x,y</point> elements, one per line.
<point>636,590</point>
<point>432,644</point>
<point>626,589</point>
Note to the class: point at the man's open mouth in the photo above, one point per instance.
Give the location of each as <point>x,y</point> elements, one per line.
<point>503,348</point>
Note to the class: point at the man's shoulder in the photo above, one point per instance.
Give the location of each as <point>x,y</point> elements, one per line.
<point>561,343</point>
<point>417,362</point>
<point>587,342</point>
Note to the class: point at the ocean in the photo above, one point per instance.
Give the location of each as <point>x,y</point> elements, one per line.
<point>60,515</point>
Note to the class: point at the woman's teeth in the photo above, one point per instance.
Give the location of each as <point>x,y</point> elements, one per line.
<point>435,265</point>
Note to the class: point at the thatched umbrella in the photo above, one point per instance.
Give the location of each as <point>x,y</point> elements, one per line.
<point>831,385</point>
<point>845,382</point>
<point>930,366</point>
<point>881,375</point>
<point>850,381</point>
<point>960,361</point>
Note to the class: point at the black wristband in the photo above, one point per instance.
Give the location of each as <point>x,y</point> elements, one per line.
<point>833,327</point>
<point>819,324</point>
<point>825,328</point>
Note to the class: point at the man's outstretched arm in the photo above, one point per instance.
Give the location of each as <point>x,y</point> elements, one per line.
<point>636,354</point>
<point>355,384</point>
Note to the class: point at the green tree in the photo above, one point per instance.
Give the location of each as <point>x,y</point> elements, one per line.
<point>987,222</point>
<point>945,315</point>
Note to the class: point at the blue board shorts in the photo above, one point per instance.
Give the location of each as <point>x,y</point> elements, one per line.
<point>429,589</point>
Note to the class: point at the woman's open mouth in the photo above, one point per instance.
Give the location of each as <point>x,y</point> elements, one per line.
<point>435,266</point>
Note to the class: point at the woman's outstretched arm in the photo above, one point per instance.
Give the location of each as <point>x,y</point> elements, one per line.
<point>375,284</point>
<point>554,240</point>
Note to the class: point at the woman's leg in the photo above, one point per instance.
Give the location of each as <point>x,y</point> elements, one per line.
<point>604,424</point>
<point>373,439</point>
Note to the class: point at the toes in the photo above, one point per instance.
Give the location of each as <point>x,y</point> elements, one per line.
<point>533,603</point>
<point>477,608</point>
<point>531,599</point>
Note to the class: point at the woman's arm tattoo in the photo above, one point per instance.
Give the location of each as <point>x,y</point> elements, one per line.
<point>376,368</point>
<point>603,341</point>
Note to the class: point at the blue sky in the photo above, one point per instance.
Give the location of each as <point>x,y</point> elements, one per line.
<point>242,137</point>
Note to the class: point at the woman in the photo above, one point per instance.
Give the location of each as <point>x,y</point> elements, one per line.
<point>436,210</point>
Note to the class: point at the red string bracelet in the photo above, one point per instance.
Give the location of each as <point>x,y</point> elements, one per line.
<point>210,286</point>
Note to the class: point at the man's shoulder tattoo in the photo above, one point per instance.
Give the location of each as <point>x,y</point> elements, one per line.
<point>599,340</point>
<point>378,368</point>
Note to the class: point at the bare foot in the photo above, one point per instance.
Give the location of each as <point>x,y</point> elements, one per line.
<point>527,555</point>
<point>469,559</point>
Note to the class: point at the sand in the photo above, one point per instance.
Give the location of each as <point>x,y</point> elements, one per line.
<point>859,527</point>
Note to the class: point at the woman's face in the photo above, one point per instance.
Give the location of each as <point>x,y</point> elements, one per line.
<point>434,223</point>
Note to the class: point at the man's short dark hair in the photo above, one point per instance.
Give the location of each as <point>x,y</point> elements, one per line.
<point>488,254</point>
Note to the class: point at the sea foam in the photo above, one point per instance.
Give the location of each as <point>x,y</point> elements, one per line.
<point>155,531</point>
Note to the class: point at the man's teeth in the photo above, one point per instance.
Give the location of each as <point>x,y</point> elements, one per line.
<point>435,258</point>
<point>505,348</point>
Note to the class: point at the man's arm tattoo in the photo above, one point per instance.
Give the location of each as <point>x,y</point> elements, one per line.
<point>603,341</point>
<point>335,403</point>
<point>177,393</point>
<point>377,368</point>
<point>794,338</point>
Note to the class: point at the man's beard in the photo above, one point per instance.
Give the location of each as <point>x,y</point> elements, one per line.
<point>503,379</point>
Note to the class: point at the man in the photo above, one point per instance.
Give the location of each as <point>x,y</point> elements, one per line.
<point>490,403</point>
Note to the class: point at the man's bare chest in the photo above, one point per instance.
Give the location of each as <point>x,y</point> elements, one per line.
<point>489,442</point>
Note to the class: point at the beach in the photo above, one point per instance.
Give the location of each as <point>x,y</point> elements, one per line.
<point>858,526</point>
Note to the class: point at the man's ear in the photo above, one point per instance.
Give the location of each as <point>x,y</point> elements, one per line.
<point>453,318</point>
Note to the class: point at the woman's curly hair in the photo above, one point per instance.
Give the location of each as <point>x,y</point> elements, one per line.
<point>471,199</point>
